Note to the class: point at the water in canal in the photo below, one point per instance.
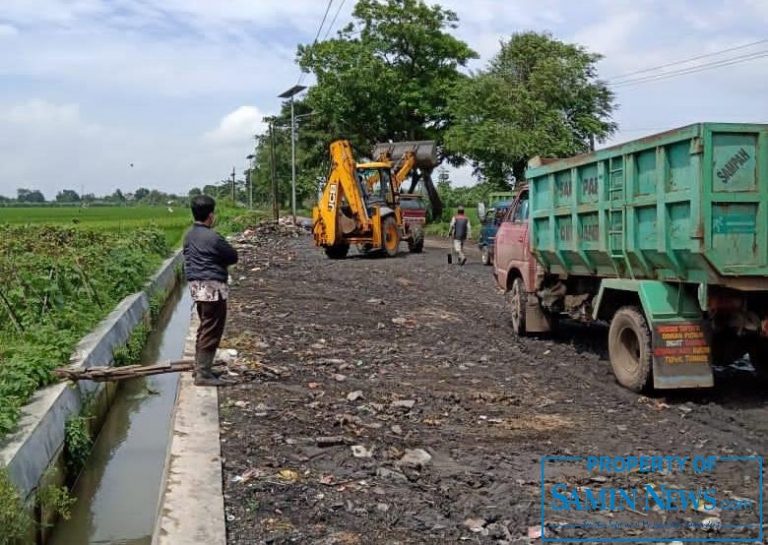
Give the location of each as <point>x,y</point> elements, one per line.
<point>118,490</point>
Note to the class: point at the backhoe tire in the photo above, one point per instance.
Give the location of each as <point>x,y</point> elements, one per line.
<point>416,242</point>
<point>629,347</point>
<point>517,299</point>
<point>338,251</point>
<point>390,236</point>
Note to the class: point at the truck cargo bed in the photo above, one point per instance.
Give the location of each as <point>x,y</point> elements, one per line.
<point>688,205</point>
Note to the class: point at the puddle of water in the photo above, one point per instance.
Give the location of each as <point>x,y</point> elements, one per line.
<point>118,490</point>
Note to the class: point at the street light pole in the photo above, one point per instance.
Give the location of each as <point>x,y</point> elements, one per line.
<point>293,163</point>
<point>289,94</point>
<point>249,172</point>
<point>275,203</point>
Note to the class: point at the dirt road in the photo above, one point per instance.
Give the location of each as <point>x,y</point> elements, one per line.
<point>396,407</point>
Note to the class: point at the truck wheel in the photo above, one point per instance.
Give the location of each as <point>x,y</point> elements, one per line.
<point>516,300</point>
<point>416,242</point>
<point>391,236</point>
<point>629,347</point>
<point>338,251</point>
<point>485,256</point>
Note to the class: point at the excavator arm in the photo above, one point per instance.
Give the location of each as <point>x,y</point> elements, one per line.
<point>341,208</point>
<point>408,162</point>
<point>408,156</point>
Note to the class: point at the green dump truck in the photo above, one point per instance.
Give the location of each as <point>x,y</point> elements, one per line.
<point>665,238</point>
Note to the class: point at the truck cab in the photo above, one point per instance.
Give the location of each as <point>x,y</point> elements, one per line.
<point>489,225</point>
<point>516,269</point>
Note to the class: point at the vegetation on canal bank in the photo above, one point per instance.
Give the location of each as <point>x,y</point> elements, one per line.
<point>59,282</point>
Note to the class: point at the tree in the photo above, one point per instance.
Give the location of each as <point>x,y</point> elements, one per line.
<point>29,195</point>
<point>141,193</point>
<point>117,196</point>
<point>67,195</point>
<point>538,96</point>
<point>388,74</point>
<point>194,192</point>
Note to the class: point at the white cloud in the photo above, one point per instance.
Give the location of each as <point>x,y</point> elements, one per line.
<point>7,31</point>
<point>42,113</point>
<point>238,126</point>
<point>51,146</point>
<point>90,86</point>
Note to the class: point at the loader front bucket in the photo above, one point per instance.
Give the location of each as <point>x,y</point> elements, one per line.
<point>425,152</point>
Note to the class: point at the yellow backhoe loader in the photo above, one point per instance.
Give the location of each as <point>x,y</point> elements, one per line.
<point>360,203</point>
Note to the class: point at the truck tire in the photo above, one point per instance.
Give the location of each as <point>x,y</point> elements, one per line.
<point>629,347</point>
<point>390,235</point>
<point>485,256</point>
<point>339,251</point>
<point>416,242</point>
<point>516,301</point>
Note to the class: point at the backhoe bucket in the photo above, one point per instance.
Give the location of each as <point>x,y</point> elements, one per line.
<point>424,150</point>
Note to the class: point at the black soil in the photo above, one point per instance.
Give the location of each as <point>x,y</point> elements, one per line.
<point>375,356</point>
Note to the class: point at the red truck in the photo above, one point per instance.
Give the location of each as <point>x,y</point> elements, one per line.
<point>514,267</point>
<point>663,238</point>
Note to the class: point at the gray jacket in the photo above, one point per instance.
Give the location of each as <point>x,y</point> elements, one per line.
<point>207,254</point>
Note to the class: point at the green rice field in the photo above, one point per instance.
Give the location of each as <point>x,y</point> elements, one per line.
<point>172,221</point>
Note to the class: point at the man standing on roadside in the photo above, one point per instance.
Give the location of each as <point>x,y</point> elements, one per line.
<point>206,258</point>
<point>460,229</point>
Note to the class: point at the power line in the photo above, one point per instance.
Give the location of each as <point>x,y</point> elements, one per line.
<point>319,30</point>
<point>684,61</point>
<point>693,69</point>
<point>333,21</point>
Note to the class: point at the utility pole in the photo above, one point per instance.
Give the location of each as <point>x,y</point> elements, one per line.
<point>251,167</point>
<point>275,204</point>
<point>289,94</point>
<point>293,164</point>
<point>233,186</point>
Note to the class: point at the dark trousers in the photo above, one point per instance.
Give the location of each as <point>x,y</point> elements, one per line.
<point>213,316</point>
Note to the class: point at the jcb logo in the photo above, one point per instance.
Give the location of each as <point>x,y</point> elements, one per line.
<point>332,198</point>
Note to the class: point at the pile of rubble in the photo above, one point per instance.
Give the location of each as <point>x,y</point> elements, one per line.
<point>268,229</point>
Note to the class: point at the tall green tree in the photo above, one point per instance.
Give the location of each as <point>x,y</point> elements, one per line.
<point>388,74</point>
<point>29,195</point>
<point>67,195</point>
<point>538,96</point>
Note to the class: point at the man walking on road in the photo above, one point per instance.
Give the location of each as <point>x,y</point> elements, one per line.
<point>460,229</point>
<point>206,258</point>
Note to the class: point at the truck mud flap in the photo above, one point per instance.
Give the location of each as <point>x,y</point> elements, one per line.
<point>536,321</point>
<point>682,355</point>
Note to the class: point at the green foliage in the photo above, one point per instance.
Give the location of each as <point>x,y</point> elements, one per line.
<point>15,522</point>
<point>77,442</point>
<point>130,352</point>
<point>57,499</point>
<point>538,96</point>
<point>172,222</point>
<point>157,302</point>
<point>388,73</point>
<point>386,76</point>
<point>240,222</point>
<point>58,283</point>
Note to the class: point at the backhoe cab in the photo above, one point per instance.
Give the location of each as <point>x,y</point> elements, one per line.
<point>360,203</point>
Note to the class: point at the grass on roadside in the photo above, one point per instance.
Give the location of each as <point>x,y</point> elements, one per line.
<point>58,283</point>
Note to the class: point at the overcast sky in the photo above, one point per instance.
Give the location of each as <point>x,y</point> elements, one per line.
<point>178,87</point>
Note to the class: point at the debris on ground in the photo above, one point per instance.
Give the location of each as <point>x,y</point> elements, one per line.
<point>416,458</point>
<point>436,432</point>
